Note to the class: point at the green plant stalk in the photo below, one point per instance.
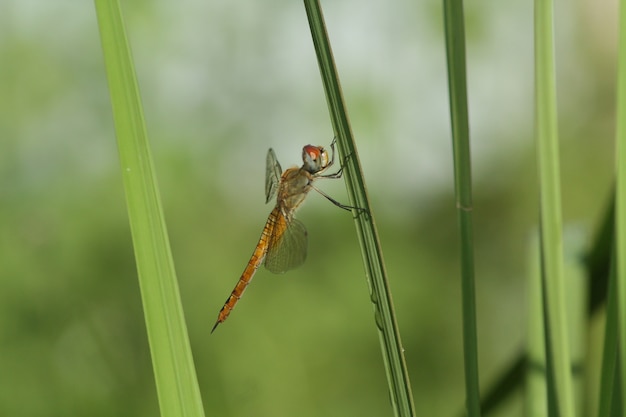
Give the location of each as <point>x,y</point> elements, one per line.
<point>617,402</point>
<point>550,203</point>
<point>577,295</point>
<point>609,354</point>
<point>621,200</point>
<point>172,361</point>
<point>395,365</point>
<point>536,401</point>
<point>598,257</point>
<point>457,82</point>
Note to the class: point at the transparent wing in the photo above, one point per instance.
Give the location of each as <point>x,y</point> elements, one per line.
<point>272,175</point>
<point>287,246</point>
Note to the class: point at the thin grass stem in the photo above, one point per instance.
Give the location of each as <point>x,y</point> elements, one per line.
<point>457,82</point>
<point>380,294</point>
<point>535,400</point>
<point>621,202</point>
<point>609,354</point>
<point>550,208</point>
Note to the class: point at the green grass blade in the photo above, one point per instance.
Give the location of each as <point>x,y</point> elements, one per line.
<point>577,296</point>
<point>457,82</point>
<point>599,256</point>
<point>397,374</point>
<point>621,200</point>
<point>550,203</point>
<point>536,401</point>
<point>617,402</point>
<point>609,354</point>
<point>174,371</point>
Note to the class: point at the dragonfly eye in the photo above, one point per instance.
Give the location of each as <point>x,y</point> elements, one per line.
<point>315,158</point>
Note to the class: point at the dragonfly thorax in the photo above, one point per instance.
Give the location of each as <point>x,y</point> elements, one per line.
<point>295,184</point>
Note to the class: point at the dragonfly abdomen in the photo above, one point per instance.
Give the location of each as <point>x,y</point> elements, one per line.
<point>257,258</point>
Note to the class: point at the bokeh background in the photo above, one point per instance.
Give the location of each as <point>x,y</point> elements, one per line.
<point>221,82</point>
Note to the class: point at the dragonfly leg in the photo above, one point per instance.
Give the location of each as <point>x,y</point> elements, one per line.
<point>334,175</point>
<point>333,142</point>
<point>360,210</point>
<point>332,150</point>
<point>339,173</point>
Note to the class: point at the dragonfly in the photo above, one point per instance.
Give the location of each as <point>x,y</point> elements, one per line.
<point>283,242</point>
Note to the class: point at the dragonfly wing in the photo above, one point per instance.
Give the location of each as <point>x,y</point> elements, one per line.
<point>287,250</point>
<point>272,175</point>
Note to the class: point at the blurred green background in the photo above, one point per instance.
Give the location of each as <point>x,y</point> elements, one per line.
<point>221,82</point>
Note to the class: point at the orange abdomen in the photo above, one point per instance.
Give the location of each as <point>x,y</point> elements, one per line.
<point>253,264</point>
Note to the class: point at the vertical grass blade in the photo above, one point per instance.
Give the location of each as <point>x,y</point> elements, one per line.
<point>397,374</point>
<point>174,372</point>
<point>536,399</point>
<point>609,354</point>
<point>599,256</point>
<point>457,82</point>
<point>621,199</point>
<point>550,204</point>
<point>577,295</point>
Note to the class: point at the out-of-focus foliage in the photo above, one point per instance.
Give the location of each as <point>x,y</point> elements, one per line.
<point>222,82</point>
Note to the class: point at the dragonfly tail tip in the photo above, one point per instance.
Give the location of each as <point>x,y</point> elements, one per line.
<point>215,326</point>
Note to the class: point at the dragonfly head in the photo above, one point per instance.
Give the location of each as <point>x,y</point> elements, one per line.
<point>315,158</point>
